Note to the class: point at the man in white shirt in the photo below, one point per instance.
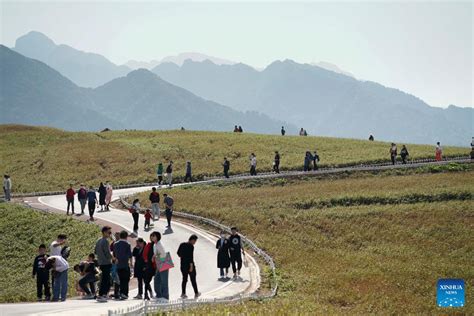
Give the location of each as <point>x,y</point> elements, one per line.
<point>57,246</point>
<point>60,267</point>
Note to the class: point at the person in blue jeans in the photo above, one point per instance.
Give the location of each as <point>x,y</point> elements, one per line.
<point>161,278</point>
<point>60,267</point>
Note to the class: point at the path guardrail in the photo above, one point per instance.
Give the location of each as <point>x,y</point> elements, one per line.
<point>147,307</point>
<point>290,173</point>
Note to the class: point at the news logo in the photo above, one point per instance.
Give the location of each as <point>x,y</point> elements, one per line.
<point>450,293</point>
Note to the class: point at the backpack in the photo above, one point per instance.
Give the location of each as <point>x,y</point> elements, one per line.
<point>66,252</point>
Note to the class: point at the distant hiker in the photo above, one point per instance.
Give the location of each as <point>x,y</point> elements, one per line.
<point>253,164</point>
<point>315,160</point>
<point>169,173</point>
<point>123,255</point>
<point>162,272</point>
<point>135,211</point>
<point>155,203</point>
<point>182,128</point>
<point>7,187</point>
<point>308,158</point>
<point>472,153</point>
<point>188,176</point>
<point>223,258</point>
<point>60,267</point>
<point>240,129</point>
<point>438,152</point>
<point>393,153</point>
<point>472,142</point>
<point>236,129</point>
<point>159,173</point>
<point>283,132</point>
<point>301,132</point>
<point>139,265</point>
<point>404,154</point>
<point>305,133</point>
<point>41,274</point>
<point>236,250</point>
<point>226,165</point>
<point>150,266</point>
<point>108,195</point>
<point>70,199</point>
<point>371,138</point>
<point>82,197</point>
<point>102,194</point>
<point>276,162</point>
<point>148,217</point>
<point>168,208</point>
<point>91,202</point>
<point>57,246</point>
<point>104,259</point>
<point>188,268</point>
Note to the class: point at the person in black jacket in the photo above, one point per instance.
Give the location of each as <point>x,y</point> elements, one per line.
<point>139,265</point>
<point>42,274</point>
<point>236,250</point>
<point>315,160</point>
<point>188,268</point>
<point>102,194</point>
<point>223,259</point>
<point>226,166</point>
<point>283,132</point>
<point>169,173</point>
<point>404,154</point>
<point>276,162</point>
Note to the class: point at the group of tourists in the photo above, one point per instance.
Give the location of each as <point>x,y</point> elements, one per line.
<point>89,196</point>
<point>114,262</point>
<point>153,214</point>
<point>393,151</point>
<point>168,174</point>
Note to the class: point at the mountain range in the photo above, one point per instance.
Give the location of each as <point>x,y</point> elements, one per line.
<point>321,98</point>
<point>34,93</point>
<point>178,60</point>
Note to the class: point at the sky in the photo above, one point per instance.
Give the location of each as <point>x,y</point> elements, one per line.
<point>422,48</point>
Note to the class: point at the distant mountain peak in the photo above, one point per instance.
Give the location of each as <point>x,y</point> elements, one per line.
<point>332,67</point>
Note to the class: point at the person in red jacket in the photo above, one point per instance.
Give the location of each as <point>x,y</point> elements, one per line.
<point>70,199</point>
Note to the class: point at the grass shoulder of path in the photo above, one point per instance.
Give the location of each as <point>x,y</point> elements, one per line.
<point>44,159</point>
<point>22,231</point>
<point>345,258</point>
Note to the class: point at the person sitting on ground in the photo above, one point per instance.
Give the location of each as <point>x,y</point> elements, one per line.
<point>147,216</point>
<point>87,271</point>
<point>42,274</point>
<point>404,154</point>
<point>371,138</point>
<point>240,129</point>
<point>305,133</point>
<point>236,129</point>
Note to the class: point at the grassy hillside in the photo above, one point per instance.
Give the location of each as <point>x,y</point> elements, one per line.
<point>23,230</point>
<point>345,258</point>
<point>41,159</point>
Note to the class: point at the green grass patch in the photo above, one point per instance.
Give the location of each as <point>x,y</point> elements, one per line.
<point>22,231</point>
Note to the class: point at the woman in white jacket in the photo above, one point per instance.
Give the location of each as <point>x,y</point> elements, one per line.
<point>161,278</point>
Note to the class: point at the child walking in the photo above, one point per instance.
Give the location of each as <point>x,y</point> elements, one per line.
<point>147,219</point>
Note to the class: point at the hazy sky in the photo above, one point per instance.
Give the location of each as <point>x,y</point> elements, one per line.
<point>424,48</point>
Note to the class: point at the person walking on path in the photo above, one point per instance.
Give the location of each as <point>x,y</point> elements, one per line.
<point>253,164</point>
<point>169,173</point>
<point>161,277</point>
<point>438,152</point>
<point>159,173</point>
<point>139,265</point>
<point>236,250</point>
<point>188,268</point>
<point>102,194</point>
<point>70,199</point>
<point>315,160</point>
<point>135,210</point>
<point>148,217</point>
<point>393,153</point>
<point>283,132</point>
<point>91,202</point>
<point>307,161</point>
<point>104,259</point>
<point>404,154</point>
<point>41,274</point>
<point>223,259</point>
<point>168,208</point>
<point>226,165</point>
<point>155,203</point>
<point>276,162</point>
<point>60,267</point>
<point>188,176</point>
<point>7,187</point>
<point>150,266</point>
<point>123,256</point>
<point>82,197</point>
<point>108,195</point>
